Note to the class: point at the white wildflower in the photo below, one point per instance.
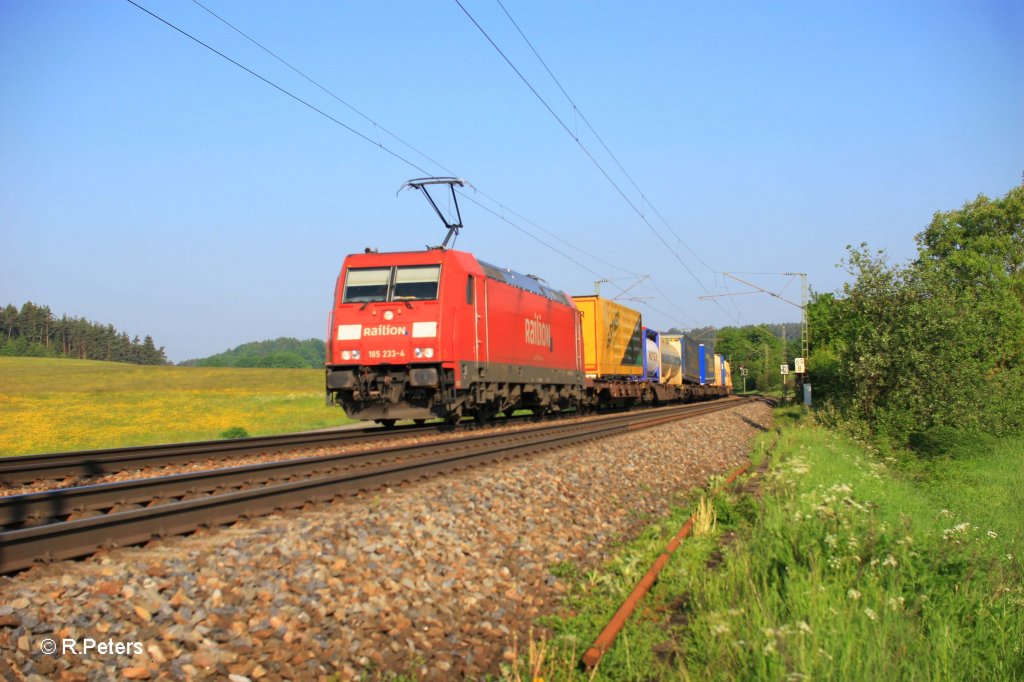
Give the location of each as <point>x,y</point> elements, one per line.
<point>992,534</point>
<point>870,613</point>
<point>831,540</point>
<point>853,594</point>
<point>720,629</point>
<point>804,627</point>
<point>890,561</point>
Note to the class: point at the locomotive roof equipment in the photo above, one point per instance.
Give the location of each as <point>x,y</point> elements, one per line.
<point>453,226</point>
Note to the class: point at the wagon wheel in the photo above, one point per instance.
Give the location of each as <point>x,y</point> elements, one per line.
<point>387,423</point>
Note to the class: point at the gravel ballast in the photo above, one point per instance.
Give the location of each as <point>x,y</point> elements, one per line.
<point>435,579</point>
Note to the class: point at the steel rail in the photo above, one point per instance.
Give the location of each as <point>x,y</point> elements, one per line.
<point>21,548</point>
<point>28,468</point>
<point>52,505</point>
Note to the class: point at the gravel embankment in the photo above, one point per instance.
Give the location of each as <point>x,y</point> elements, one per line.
<point>433,579</point>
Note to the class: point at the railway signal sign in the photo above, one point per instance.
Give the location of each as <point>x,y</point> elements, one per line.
<point>798,366</point>
<point>784,369</point>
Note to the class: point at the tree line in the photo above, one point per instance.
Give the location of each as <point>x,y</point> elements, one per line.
<point>761,349</point>
<point>282,352</point>
<point>34,331</point>
<point>914,353</point>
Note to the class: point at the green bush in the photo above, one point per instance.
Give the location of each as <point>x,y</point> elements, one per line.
<point>941,441</point>
<point>234,432</point>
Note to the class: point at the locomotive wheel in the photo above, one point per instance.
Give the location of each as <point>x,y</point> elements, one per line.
<point>387,423</point>
<point>484,415</point>
<point>419,422</point>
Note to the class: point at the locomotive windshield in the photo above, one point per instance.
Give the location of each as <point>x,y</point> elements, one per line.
<point>416,283</point>
<point>365,285</point>
<point>402,283</point>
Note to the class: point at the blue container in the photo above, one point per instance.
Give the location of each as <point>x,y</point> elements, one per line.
<point>703,365</point>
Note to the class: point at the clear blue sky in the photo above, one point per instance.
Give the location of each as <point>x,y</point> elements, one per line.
<point>148,183</point>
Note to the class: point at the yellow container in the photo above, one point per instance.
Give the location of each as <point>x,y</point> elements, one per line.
<point>612,338</point>
<point>728,375</point>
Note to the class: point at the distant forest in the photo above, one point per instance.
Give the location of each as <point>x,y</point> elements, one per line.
<point>282,352</point>
<point>34,331</point>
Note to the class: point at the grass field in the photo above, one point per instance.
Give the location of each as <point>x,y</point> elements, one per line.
<point>49,405</point>
<point>849,567</point>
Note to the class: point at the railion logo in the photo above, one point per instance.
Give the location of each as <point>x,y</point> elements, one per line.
<point>386,330</point>
<point>538,333</point>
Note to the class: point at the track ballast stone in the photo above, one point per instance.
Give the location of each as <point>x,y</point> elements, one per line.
<point>435,579</point>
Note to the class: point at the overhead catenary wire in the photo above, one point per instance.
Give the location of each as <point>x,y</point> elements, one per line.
<point>404,159</point>
<point>321,87</point>
<point>352,130</point>
<point>582,146</point>
<point>281,89</point>
<point>576,110</point>
<point>380,127</point>
<point>589,155</point>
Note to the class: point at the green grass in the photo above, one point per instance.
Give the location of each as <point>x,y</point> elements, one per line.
<point>847,568</point>
<point>51,405</point>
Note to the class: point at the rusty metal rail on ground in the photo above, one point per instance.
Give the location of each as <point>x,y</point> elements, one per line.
<point>71,522</point>
<point>607,637</point>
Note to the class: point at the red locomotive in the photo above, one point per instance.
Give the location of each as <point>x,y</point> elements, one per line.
<point>438,333</point>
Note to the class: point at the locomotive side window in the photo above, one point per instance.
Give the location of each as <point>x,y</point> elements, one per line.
<point>469,289</point>
<point>416,283</point>
<point>365,285</point>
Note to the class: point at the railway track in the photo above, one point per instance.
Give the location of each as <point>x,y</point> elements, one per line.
<point>89,463</point>
<point>73,522</point>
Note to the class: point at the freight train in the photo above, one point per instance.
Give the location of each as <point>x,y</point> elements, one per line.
<point>441,334</point>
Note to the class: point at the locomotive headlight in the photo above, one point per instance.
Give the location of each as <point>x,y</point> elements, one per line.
<point>355,355</point>
<point>428,352</point>
<point>345,355</point>
<point>417,352</point>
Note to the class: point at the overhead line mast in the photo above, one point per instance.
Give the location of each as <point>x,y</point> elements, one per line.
<point>805,336</point>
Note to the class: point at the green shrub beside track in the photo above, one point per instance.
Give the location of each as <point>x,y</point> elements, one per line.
<point>842,566</point>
